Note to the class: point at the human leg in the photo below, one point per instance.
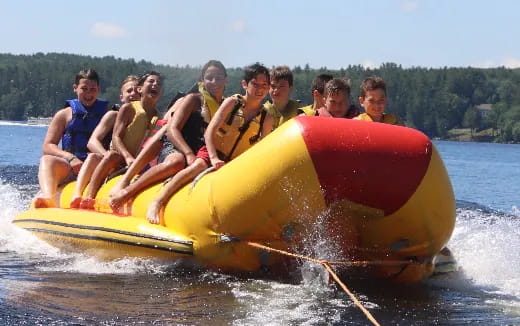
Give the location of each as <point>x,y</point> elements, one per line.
<point>171,165</point>
<point>175,184</point>
<point>51,172</point>
<point>148,153</point>
<point>87,169</point>
<point>111,160</point>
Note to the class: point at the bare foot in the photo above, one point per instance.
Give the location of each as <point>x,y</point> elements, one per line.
<point>118,199</point>
<point>87,203</point>
<point>114,192</point>
<point>153,213</point>
<point>41,202</point>
<point>75,202</point>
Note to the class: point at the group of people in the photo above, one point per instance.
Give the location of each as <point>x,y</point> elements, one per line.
<point>199,131</point>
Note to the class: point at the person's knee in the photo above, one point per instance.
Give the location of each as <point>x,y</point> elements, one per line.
<point>51,162</point>
<point>94,158</point>
<point>196,167</point>
<point>48,160</point>
<point>112,157</point>
<point>175,162</point>
<point>200,164</point>
<point>53,167</point>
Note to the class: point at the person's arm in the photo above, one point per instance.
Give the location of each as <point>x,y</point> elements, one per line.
<point>144,156</point>
<point>172,109</point>
<point>182,113</point>
<point>52,139</point>
<point>55,132</point>
<point>95,143</point>
<point>216,122</point>
<point>124,117</point>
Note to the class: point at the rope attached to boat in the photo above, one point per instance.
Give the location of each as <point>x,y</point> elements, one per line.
<point>331,272</point>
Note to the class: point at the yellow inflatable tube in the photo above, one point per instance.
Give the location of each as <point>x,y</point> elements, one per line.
<point>377,192</point>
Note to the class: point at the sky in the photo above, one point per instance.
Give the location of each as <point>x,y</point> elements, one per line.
<point>321,33</point>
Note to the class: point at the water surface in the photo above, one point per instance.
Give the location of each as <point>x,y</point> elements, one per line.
<point>39,285</point>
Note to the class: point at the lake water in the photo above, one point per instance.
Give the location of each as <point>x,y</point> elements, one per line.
<point>40,285</point>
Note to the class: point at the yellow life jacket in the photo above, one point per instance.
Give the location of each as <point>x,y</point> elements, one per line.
<point>388,118</point>
<point>237,135</point>
<point>308,110</point>
<point>280,116</point>
<point>210,105</point>
<point>138,129</point>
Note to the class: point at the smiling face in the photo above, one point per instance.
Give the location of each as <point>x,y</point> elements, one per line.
<point>151,88</point>
<point>87,91</point>
<point>214,81</point>
<point>337,104</point>
<point>280,91</point>
<point>374,103</point>
<point>129,92</point>
<point>257,87</point>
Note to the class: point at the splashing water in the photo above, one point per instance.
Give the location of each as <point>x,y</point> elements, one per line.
<point>486,246</point>
<point>49,258</point>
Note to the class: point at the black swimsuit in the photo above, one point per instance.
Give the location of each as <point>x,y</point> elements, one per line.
<point>192,132</point>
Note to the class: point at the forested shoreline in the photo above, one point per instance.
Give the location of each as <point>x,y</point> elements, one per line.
<point>433,100</point>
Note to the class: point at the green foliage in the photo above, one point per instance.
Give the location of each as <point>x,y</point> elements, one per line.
<point>431,100</point>
<point>472,119</point>
<point>508,124</point>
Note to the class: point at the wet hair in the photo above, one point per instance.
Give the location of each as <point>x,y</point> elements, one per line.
<point>148,74</point>
<point>370,84</point>
<point>89,74</point>
<point>212,63</point>
<point>130,78</point>
<point>318,84</point>
<point>254,70</point>
<point>338,85</point>
<point>281,73</point>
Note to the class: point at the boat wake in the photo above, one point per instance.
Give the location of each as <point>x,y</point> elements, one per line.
<point>486,243</point>
<point>48,258</point>
<point>22,123</point>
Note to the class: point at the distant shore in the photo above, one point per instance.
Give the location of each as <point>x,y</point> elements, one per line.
<point>460,134</point>
<point>467,135</point>
<point>45,121</point>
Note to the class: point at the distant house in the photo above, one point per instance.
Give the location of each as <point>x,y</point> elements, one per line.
<point>484,109</point>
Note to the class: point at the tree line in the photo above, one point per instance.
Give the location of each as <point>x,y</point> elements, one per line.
<point>431,100</point>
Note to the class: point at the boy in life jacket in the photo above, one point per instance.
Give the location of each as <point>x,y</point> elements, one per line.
<point>318,94</point>
<point>372,98</point>
<point>237,125</point>
<point>183,136</point>
<point>99,142</point>
<point>73,125</point>
<point>337,99</point>
<point>133,122</point>
<point>281,107</point>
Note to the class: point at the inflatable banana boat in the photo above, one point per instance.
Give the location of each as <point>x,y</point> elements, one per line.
<point>369,191</point>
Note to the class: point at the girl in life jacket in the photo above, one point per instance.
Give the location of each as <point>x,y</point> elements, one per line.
<point>133,122</point>
<point>180,139</point>
<point>239,123</point>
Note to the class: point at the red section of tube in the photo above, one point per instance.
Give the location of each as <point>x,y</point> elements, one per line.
<point>369,163</point>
